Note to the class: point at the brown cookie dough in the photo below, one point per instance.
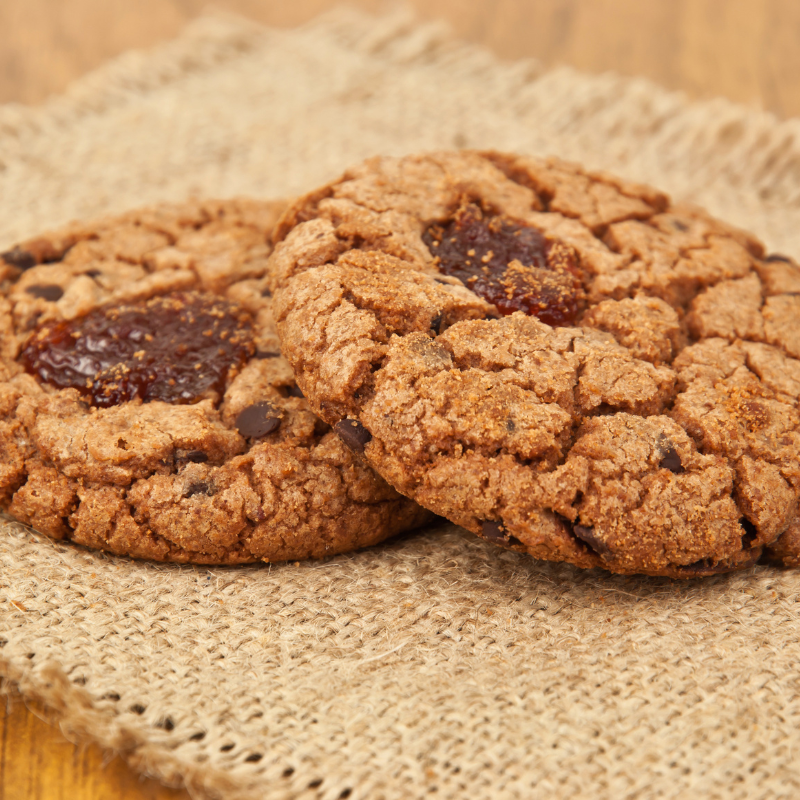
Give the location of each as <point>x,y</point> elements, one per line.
<point>145,408</point>
<point>564,363</point>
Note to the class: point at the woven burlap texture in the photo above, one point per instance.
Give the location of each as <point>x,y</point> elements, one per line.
<point>435,663</point>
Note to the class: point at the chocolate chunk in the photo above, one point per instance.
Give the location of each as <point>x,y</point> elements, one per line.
<point>199,487</point>
<point>49,292</point>
<point>294,391</point>
<point>267,354</point>
<point>493,531</point>
<point>353,434</point>
<point>258,420</point>
<point>672,461</point>
<point>588,537</point>
<point>778,257</point>
<point>19,258</point>
<point>197,456</point>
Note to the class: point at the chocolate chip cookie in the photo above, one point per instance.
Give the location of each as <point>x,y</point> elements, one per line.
<point>145,408</point>
<point>563,362</point>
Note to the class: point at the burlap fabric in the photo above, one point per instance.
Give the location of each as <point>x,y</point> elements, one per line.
<point>436,664</point>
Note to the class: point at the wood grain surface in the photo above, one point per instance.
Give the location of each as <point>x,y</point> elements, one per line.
<point>38,763</point>
<point>746,50</point>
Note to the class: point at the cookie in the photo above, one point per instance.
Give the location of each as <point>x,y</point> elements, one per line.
<point>145,408</point>
<point>567,364</point>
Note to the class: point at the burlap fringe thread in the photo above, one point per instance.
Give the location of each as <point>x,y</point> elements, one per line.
<point>435,663</point>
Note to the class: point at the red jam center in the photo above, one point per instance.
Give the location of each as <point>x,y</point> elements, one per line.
<point>180,349</point>
<point>508,263</point>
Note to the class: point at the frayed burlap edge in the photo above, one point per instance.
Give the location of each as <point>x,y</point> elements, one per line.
<point>741,163</point>
<point>620,686</point>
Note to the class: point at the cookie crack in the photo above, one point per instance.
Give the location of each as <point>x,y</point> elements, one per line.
<point>643,499</point>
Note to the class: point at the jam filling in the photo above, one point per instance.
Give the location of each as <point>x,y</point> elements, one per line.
<point>508,263</point>
<point>180,348</point>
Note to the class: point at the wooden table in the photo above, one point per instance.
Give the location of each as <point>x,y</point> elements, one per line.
<point>746,50</point>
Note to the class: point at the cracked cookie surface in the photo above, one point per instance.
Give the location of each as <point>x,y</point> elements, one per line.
<point>145,408</point>
<point>563,362</point>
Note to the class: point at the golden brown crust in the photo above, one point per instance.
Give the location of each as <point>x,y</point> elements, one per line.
<point>659,434</point>
<point>175,482</point>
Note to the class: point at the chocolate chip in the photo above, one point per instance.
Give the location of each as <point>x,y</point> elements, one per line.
<point>199,487</point>
<point>496,533</point>
<point>778,257</point>
<point>511,426</point>
<point>49,292</point>
<point>493,531</point>
<point>267,354</point>
<point>294,391</point>
<point>353,434</point>
<point>672,461</point>
<point>588,537</point>
<point>197,457</point>
<point>19,258</point>
<point>258,420</point>
<point>436,324</point>
<point>266,293</point>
